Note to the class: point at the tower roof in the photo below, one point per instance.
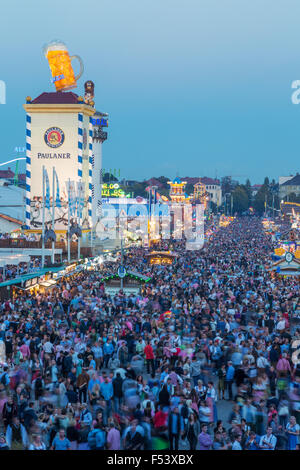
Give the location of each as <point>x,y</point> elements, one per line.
<point>177,180</point>
<point>58,97</point>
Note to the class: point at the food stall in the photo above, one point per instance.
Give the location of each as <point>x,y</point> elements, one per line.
<point>161,257</point>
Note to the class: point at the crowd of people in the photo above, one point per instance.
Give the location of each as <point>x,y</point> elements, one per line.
<point>202,357</point>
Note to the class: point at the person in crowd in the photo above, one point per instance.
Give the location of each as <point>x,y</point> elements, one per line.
<point>60,442</point>
<point>268,441</point>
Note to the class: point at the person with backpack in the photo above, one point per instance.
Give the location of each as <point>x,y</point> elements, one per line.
<point>30,416</point>
<point>85,417</point>
<point>4,377</point>
<point>38,386</point>
<point>117,383</point>
<point>97,438</point>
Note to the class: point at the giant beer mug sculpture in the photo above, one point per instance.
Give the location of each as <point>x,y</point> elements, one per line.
<point>63,76</point>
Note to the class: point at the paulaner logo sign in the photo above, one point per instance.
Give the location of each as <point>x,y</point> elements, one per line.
<point>54,137</point>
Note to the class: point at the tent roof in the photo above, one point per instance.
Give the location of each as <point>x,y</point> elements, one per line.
<point>19,280</point>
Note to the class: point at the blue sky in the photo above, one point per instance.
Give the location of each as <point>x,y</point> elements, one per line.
<point>193,87</point>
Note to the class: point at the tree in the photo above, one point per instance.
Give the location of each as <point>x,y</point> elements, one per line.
<point>263,198</point>
<point>163,179</point>
<point>109,177</point>
<point>189,189</point>
<point>226,185</point>
<point>266,196</point>
<point>213,207</point>
<point>240,199</point>
<point>248,190</point>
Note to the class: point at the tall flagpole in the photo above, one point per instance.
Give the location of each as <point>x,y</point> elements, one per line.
<point>78,254</point>
<point>43,220</point>
<point>78,213</point>
<point>122,258</point>
<point>149,216</point>
<point>68,233</point>
<point>53,214</point>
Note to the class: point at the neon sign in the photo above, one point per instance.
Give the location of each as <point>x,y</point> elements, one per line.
<point>112,190</point>
<point>100,122</point>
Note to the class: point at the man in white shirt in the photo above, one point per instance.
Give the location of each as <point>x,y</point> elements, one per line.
<point>280,325</point>
<point>268,441</point>
<point>262,362</point>
<point>48,347</point>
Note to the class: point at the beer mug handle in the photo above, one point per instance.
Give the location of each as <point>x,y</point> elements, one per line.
<point>81,65</point>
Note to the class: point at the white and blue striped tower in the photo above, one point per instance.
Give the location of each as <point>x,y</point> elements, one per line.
<point>28,169</point>
<point>59,135</point>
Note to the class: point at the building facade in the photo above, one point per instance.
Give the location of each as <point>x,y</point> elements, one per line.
<point>213,189</point>
<point>291,186</point>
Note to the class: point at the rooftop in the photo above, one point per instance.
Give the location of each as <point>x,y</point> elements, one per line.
<point>293,182</point>
<point>7,174</point>
<point>205,180</point>
<point>58,97</point>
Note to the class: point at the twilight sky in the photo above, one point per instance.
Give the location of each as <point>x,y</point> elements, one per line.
<point>193,87</point>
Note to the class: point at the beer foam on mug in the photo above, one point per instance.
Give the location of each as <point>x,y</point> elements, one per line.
<point>54,46</point>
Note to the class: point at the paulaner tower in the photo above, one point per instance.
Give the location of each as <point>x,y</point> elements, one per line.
<point>59,134</point>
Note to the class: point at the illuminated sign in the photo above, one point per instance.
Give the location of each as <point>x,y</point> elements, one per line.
<point>112,190</point>
<point>70,268</point>
<point>100,122</point>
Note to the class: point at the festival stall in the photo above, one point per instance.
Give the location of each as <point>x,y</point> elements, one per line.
<point>38,281</point>
<point>288,265</point>
<point>161,257</point>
